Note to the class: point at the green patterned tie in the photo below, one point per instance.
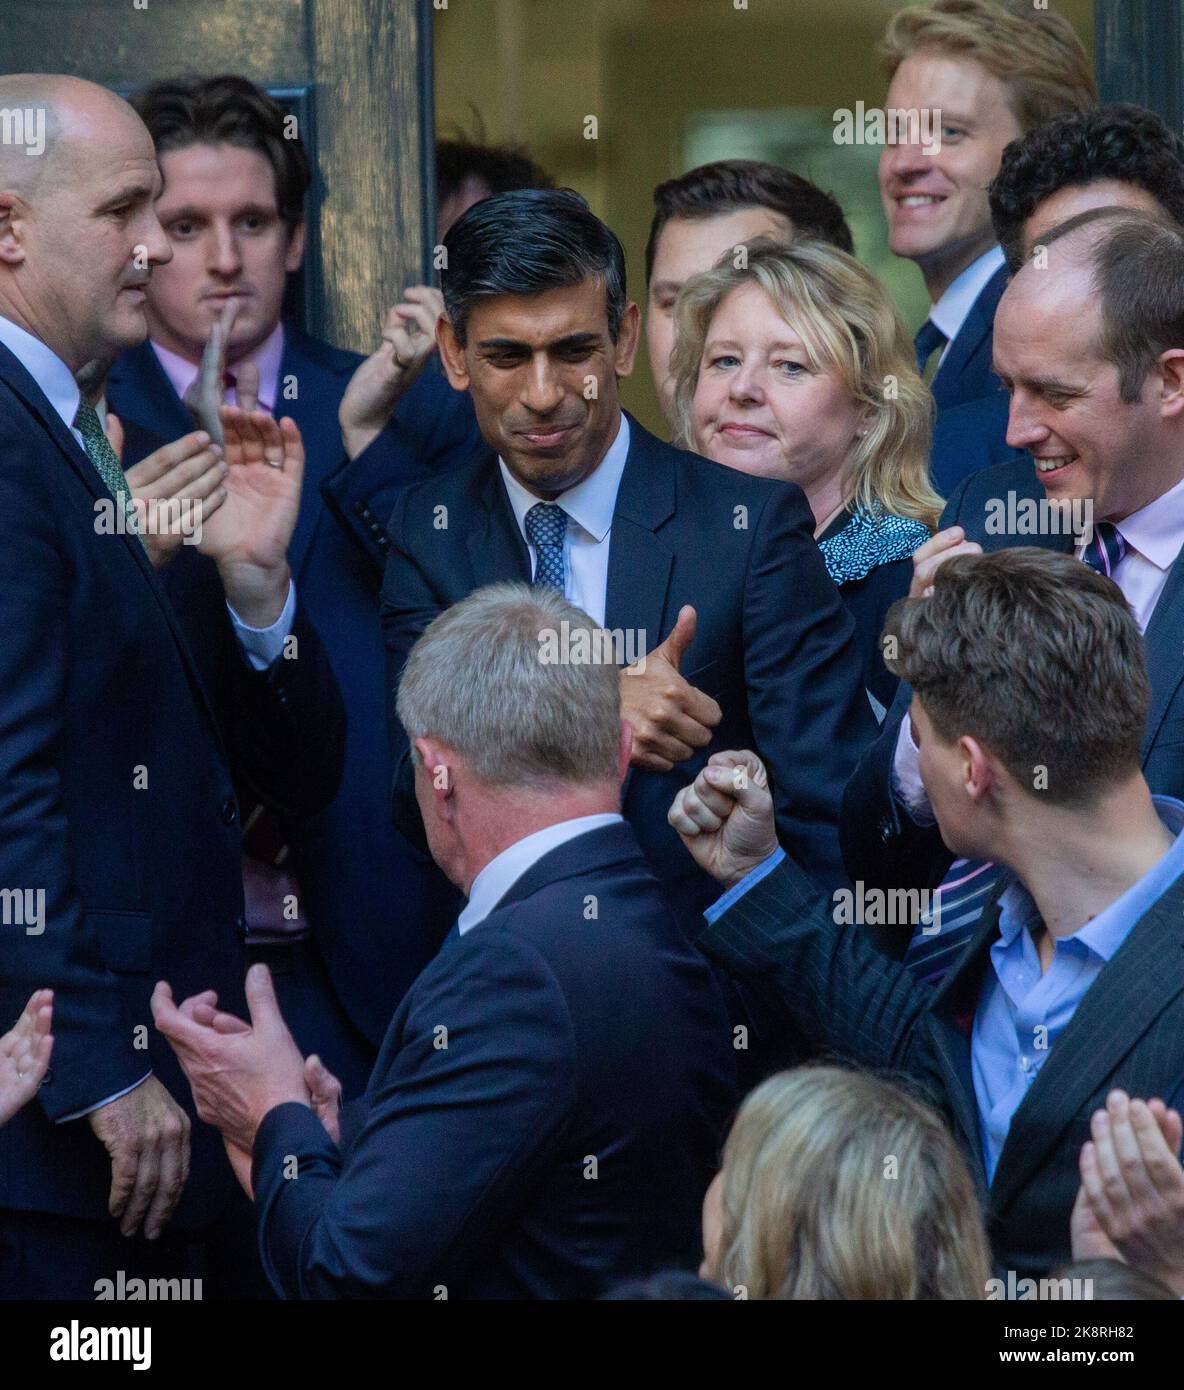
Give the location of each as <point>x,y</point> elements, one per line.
<point>102,455</point>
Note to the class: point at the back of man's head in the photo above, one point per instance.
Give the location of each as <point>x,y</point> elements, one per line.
<point>519,684</point>
<point>525,243</point>
<point>1118,143</point>
<point>229,110</point>
<point>1038,658</point>
<point>731,185</point>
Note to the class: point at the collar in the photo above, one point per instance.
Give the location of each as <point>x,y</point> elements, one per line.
<point>590,503</point>
<point>1106,932</point>
<point>505,869</point>
<point>46,368</point>
<point>267,356</point>
<point>1156,531</point>
<point>951,310</point>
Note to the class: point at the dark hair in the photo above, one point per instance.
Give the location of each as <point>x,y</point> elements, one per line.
<point>526,242</point>
<point>1113,1280</point>
<point>1137,260</point>
<point>674,1286</point>
<point>1010,641</point>
<point>1123,142</point>
<point>229,110</point>
<point>501,168</point>
<point>732,184</point>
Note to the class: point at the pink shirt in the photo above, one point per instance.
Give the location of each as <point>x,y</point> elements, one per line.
<point>1154,537</point>
<point>267,357</point>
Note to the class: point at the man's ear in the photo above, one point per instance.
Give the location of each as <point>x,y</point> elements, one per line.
<point>12,250</point>
<point>978,768</point>
<point>452,355</point>
<point>627,340</point>
<point>1171,383</point>
<point>294,255</point>
<point>437,768</point>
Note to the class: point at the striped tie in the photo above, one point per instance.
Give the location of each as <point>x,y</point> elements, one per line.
<point>963,892</point>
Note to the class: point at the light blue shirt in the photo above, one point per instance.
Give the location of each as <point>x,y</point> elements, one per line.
<point>1022,1012</point>
<point>503,871</point>
<point>261,645</point>
<point>590,506</point>
<point>951,310</point>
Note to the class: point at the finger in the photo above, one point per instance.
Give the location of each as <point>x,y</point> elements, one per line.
<point>261,1001</point>
<point>662,748</point>
<point>246,387</point>
<point>321,1081</point>
<point>702,708</point>
<point>686,729</point>
<point>1173,1131</point>
<point>167,1192</point>
<point>170,1020</point>
<point>1127,1148</point>
<point>678,817</point>
<point>147,1179</point>
<point>746,781</point>
<point>926,569</point>
<point>696,809</point>
<point>123,1177</point>
<point>1091,1180</point>
<point>717,801</point>
<point>1157,1162</point>
<point>211,503</point>
<point>938,542</point>
<point>1117,1196</point>
<point>162,461</point>
<point>188,1006</point>
<point>681,636</point>
<point>293,448</point>
<point>424,317</point>
<point>220,1022</point>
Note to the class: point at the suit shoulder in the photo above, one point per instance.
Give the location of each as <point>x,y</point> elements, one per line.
<point>339,361</point>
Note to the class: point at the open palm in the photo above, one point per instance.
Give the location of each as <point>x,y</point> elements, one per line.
<point>24,1054</point>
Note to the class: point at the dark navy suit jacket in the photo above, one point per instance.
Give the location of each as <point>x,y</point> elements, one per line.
<point>970,430</point>
<point>881,843</point>
<point>1128,1031</point>
<point>774,644</point>
<point>351,863</point>
<point>544,1115</point>
<point>117,800</point>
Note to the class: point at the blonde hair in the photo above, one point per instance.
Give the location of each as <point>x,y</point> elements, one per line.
<point>1036,55</point>
<point>839,1185</point>
<point>848,325</point>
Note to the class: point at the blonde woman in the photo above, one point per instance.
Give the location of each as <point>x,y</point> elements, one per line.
<point>792,362</point>
<point>836,1184</point>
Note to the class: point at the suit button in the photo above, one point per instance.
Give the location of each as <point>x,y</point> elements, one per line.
<point>240,927</point>
<point>885,830</point>
<point>229,811</point>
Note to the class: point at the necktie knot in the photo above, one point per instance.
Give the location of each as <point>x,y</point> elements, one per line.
<point>929,337</point>
<point>546,526</point>
<point>1105,548</point>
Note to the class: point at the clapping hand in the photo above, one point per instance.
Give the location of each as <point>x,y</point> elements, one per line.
<point>206,394</point>
<point>24,1054</point>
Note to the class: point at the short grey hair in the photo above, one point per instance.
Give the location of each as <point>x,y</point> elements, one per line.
<point>483,680</point>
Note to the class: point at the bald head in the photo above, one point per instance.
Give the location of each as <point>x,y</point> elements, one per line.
<point>78,234</point>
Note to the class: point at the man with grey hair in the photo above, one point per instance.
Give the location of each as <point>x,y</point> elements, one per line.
<point>544,1113</point>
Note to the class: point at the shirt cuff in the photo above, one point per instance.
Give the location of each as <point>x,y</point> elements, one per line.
<point>738,890</point>
<point>261,645</point>
<point>906,776</point>
<point>98,1105</point>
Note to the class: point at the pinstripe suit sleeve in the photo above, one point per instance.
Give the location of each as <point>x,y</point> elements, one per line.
<point>841,993</point>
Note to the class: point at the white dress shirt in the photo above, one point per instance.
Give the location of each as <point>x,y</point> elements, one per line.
<point>504,870</point>
<point>950,311</point>
<point>1154,537</point>
<point>589,507</point>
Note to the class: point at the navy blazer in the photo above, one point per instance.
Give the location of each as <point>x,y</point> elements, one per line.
<point>544,1116</point>
<point>774,643</point>
<point>840,992</point>
<point>881,843</point>
<point>350,862</point>
<point>970,430</point>
<point>117,801</point>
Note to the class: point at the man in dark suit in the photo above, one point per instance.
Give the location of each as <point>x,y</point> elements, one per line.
<point>544,1113</point>
<point>986,74</point>
<point>1031,696</point>
<point>233,208</point>
<point>651,541</point>
<point>1102,422</point>
<point>119,815</point>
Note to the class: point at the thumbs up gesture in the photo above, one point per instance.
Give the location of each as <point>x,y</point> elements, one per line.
<point>669,717</point>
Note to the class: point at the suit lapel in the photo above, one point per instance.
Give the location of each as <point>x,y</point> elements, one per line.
<point>969,338</point>
<point>497,548</point>
<point>31,394</point>
<point>639,560</point>
<point>1163,643</point>
<point>1134,987</point>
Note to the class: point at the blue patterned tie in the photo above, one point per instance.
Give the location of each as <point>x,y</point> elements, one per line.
<point>106,464</point>
<point>965,889</point>
<point>929,337</point>
<point>546,525</point>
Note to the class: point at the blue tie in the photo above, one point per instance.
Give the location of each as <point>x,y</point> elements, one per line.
<point>966,887</point>
<point>929,337</point>
<point>546,525</point>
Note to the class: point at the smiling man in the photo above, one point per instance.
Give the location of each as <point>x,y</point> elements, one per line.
<point>992,71</point>
<point>1091,347</point>
<point>712,573</point>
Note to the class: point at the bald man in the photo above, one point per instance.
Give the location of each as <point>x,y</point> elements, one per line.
<point>120,839</point>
